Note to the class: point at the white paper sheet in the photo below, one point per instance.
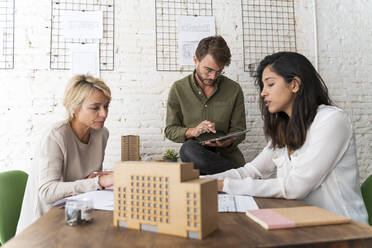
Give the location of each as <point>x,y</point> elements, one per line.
<point>81,25</point>
<point>84,59</point>
<point>191,29</point>
<point>102,199</point>
<point>2,52</point>
<point>236,203</point>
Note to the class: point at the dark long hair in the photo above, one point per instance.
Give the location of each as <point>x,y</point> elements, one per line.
<point>282,130</point>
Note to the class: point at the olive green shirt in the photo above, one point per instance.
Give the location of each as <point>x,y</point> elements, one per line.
<point>188,106</point>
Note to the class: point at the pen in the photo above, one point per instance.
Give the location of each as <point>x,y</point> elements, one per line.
<point>97,173</point>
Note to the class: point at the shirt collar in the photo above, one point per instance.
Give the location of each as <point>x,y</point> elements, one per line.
<point>196,85</point>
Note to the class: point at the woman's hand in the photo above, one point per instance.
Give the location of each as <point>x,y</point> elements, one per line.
<point>220,185</point>
<point>91,175</point>
<point>106,180</point>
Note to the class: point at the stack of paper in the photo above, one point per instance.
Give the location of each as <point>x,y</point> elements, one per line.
<point>102,199</point>
<point>236,203</point>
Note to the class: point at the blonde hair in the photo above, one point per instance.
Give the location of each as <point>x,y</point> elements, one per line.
<point>80,87</point>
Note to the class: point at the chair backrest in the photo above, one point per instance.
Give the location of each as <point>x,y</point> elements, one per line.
<point>12,189</point>
<point>366,189</point>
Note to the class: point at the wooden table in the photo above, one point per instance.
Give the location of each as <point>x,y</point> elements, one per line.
<point>236,230</point>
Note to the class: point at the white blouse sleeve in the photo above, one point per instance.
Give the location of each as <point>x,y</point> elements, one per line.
<point>51,188</point>
<point>261,167</point>
<point>328,139</point>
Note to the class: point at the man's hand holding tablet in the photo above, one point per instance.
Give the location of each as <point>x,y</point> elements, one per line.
<point>223,141</point>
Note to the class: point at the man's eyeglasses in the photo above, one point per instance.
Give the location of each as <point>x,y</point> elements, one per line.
<point>210,72</point>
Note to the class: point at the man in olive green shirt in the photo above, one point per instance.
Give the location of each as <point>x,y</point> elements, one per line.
<point>207,105</point>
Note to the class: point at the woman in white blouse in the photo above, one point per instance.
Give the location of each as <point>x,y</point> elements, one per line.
<point>71,151</point>
<point>311,143</point>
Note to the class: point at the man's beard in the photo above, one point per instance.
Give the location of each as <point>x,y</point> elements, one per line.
<point>205,81</point>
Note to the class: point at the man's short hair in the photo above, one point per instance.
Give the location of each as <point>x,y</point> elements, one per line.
<point>217,47</point>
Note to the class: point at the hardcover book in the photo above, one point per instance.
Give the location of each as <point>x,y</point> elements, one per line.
<point>276,218</point>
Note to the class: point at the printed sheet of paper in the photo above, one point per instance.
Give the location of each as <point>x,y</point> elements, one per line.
<point>102,199</point>
<point>84,59</point>
<point>236,203</point>
<point>81,25</point>
<point>191,29</point>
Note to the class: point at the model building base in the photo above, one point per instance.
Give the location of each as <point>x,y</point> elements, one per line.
<point>167,198</point>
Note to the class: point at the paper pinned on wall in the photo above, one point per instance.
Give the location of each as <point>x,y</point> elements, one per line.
<point>81,24</point>
<point>2,44</point>
<point>191,29</point>
<point>84,59</point>
<point>236,203</point>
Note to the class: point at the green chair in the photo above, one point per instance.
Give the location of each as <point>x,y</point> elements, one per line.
<point>366,189</point>
<point>12,189</point>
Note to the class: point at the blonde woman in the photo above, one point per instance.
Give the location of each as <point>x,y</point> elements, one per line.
<point>73,148</point>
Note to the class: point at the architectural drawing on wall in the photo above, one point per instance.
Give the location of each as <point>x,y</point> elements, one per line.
<point>81,22</point>
<point>84,59</point>
<point>6,34</point>
<point>167,13</point>
<point>268,27</point>
<point>190,30</point>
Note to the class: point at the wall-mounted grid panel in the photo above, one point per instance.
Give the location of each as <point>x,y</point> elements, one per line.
<point>59,47</point>
<point>7,34</point>
<point>268,27</point>
<point>166,14</point>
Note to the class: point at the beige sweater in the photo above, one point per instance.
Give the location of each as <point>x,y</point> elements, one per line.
<point>63,163</point>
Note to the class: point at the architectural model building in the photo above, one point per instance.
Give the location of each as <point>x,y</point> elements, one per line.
<point>164,197</point>
<point>130,148</point>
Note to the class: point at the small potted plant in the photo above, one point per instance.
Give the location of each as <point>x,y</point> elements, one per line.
<point>170,156</point>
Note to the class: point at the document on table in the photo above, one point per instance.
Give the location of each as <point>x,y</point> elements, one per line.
<point>236,203</point>
<point>102,199</point>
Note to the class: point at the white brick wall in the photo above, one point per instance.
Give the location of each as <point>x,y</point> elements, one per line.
<point>31,93</point>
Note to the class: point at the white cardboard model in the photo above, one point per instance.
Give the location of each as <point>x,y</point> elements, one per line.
<point>163,197</point>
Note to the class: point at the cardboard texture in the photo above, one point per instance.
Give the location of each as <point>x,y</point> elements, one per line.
<point>164,197</point>
<point>130,148</point>
<point>276,218</point>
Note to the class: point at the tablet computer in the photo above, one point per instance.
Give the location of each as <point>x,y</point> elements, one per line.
<point>226,136</point>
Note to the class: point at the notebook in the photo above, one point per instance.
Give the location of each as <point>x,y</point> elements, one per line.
<point>276,218</point>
